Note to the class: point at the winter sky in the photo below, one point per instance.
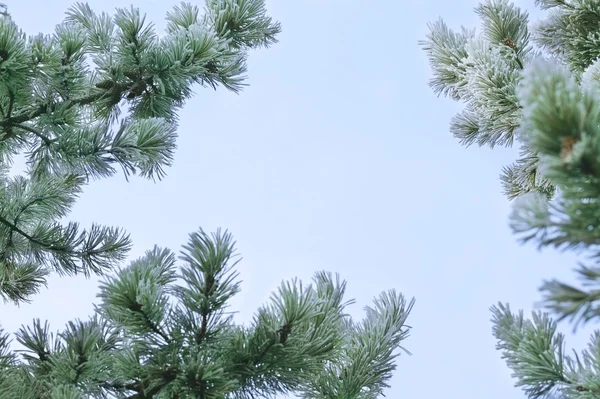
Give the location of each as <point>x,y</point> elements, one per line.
<point>337,157</point>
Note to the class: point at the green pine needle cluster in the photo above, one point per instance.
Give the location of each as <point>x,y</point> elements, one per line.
<point>163,329</point>
<point>97,96</point>
<point>539,86</point>
<point>483,71</point>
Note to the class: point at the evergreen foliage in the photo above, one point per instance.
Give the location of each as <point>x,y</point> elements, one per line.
<point>99,95</point>
<point>62,98</point>
<point>538,86</point>
<point>164,330</point>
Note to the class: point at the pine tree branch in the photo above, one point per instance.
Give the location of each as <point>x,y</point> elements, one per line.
<point>556,3</point>
<point>142,393</point>
<point>81,360</point>
<point>156,329</point>
<point>36,132</point>
<point>15,228</point>
<point>11,103</point>
<point>236,362</point>
<point>203,328</point>
<point>263,353</point>
<point>138,308</point>
<point>136,386</point>
<point>32,113</point>
<point>284,333</point>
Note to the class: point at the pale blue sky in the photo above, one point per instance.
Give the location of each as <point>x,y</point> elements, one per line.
<point>337,157</point>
